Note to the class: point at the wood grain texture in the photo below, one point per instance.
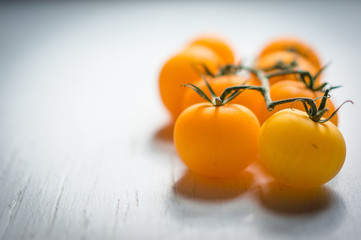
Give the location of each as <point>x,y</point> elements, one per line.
<point>84,139</point>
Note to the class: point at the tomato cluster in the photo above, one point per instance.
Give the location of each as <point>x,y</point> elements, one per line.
<point>279,111</point>
<point>186,65</point>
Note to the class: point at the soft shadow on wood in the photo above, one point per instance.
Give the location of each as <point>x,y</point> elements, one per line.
<point>287,200</point>
<point>312,213</point>
<point>165,133</point>
<point>196,187</point>
<point>162,140</point>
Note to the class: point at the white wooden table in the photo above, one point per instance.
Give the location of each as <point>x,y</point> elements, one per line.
<point>83,137</point>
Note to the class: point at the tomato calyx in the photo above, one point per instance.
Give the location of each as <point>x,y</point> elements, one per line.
<point>304,76</point>
<point>315,113</point>
<point>284,69</point>
<point>280,65</point>
<point>227,69</point>
<point>216,101</point>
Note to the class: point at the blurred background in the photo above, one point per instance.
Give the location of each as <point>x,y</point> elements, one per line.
<point>79,109</point>
<point>63,49</point>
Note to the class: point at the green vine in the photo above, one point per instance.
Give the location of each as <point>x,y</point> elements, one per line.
<point>315,113</point>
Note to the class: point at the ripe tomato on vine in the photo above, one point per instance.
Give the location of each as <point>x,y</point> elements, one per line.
<point>216,139</point>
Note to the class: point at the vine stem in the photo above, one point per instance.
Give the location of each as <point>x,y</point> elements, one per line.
<point>315,113</point>
<point>265,89</point>
<point>267,96</point>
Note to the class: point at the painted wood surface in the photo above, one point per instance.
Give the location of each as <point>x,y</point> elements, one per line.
<point>84,139</point>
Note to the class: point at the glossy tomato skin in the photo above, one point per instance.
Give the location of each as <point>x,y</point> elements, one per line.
<point>249,98</point>
<point>300,152</point>
<point>271,59</point>
<point>295,45</point>
<point>180,69</point>
<point>216,141</point>
<point>292,89</point>
<point>218,45</point>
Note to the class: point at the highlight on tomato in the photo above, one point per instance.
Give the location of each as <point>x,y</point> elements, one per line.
<point>218,138</point>
<point>250,99</point>
<point>294,45</point>
<point>217,44</point>
<point>300,152</point>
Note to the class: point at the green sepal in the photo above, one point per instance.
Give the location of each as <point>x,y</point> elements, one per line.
<point>198,90</point>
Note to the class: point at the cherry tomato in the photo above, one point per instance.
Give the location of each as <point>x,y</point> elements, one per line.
<point>271,59</point>
<point>218,45</point>
<point>291,89</point>
<point>248,98</point>
<point>300,152</point>
<point>216,141</point>
<point>295,45</point>
<point>181,69</point>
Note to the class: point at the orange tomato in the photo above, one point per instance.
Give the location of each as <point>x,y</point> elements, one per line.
<point>292,89</point>
<point>217,44</point>
<point>216,141</point>
<point>249,98</point>
<point>291,44</point>
<point>271,59</point>
<point>181,69</point>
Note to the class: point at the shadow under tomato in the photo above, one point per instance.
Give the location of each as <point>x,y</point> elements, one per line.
<point>199,202</point>
<point>196,187</point>
<point>162,139</point>
<point>311,213</point>
<point>287,200</point>
<point>165,133</point>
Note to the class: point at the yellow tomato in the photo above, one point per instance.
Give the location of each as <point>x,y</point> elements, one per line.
<point>216,141</point>
<point>249,98</point>
<point>270,60</point>
<point>300,152</point>
<point>218,45</point>
<point>182,69</point>
<point>295,45</point>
